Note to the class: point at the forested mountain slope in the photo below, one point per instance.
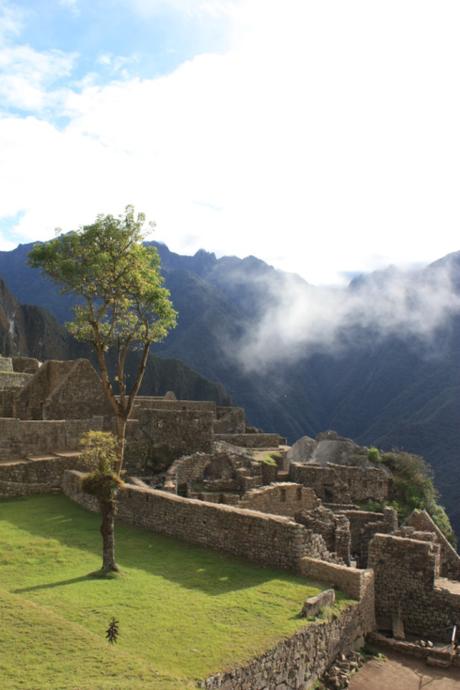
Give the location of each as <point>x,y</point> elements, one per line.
<point>34,332</point>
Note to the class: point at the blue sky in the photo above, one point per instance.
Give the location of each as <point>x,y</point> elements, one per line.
<point>152,41</point>
<point>320,136</point>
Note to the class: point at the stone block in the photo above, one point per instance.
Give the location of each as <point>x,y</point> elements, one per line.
<point>313,605</point>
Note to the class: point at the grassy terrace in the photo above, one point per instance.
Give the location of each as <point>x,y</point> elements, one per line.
<point>184,611</point>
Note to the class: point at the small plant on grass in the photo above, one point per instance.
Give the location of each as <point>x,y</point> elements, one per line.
<point>112,631</point>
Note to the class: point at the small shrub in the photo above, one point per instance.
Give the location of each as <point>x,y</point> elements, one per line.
<point>373,454</point>
<point>100,453</point>
<point>372,506</point>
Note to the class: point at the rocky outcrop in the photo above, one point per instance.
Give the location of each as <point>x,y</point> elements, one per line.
<point>329,448</point>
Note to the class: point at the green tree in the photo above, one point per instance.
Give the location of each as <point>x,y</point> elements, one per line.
<point>123,306</point>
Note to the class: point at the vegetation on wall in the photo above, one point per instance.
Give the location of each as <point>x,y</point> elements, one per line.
<point>413,488</point>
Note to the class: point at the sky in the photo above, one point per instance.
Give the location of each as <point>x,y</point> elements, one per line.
<point>322,136</point>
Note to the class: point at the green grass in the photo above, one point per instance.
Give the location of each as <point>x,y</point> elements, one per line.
<point>184,611</point>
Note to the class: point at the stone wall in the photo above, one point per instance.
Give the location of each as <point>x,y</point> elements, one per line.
<point>23,478</point>
<point>6,364</point>
<point>352,581</point>
<point>219,471</point>
<point>20,438</point>
<point>364,525</point>
<point>342,484</point>
<point>13,379</point>
<point>185,470</point>
<point>159,436</point>
<point>267,539</point>
<point>441,656</point>
<point>26,365</point>
<point>450,560</point>
<point>7,398</point>
<point>230,420</point>
<point>283,498</point>
<point>407,588</point>
<point>252,440</point>
<point>295,663</point>
<point>334,528</point>
<point>78,395</point>
<point>63,390</point>
<point>144,402</point>
<point>30,401</point>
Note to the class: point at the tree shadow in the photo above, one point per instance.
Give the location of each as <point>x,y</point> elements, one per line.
<point>52,585</point>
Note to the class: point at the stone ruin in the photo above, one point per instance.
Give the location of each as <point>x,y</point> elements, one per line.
<point>197,471</point>
<point>45,408</point>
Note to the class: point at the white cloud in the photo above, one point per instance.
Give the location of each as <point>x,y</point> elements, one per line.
<point>26,75</point>
<point>326,139</point>
<point>301,320</point>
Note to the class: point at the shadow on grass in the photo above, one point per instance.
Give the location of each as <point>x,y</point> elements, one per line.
<point>191,566</point>
<point>52,585</point>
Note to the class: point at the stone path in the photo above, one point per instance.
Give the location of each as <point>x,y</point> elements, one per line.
<point>399,672</point>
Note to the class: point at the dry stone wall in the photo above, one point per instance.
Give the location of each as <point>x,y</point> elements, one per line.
<point>295,663</point>
<point>334,528</point>
<point>155,403</point>
<point>364,525</point>
<point>20,438</point>
<point>283,498</point>
<point>230,420</point>
<point>31,399</point>
<point>450,560</point>
<point>24,478</point>
<point>267,539</point>
<point>78,395</point>
<point>63,390</point>
<point>407,587</point>
<point>26,365</point>
<point>352,581</point>
<point>7,398</point>
<point>258,440</point>
<point>342,484</point>
<point>13,380</point>
<point>159,436</point>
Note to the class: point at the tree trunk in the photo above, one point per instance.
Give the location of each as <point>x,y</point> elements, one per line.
<point>121,434</point>
<point>108,536</point>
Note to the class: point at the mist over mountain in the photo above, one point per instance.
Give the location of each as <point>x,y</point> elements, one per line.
<point>376,360</point>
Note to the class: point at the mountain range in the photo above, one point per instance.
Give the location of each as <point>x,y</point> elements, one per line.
<point>384,387</point>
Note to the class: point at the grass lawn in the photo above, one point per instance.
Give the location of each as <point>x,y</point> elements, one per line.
<point>184,611</point>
